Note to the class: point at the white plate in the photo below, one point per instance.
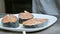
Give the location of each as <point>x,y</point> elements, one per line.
<point>51,21</point>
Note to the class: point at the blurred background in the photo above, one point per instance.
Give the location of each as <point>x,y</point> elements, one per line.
<point>51,7</point>
<point>15,6</point>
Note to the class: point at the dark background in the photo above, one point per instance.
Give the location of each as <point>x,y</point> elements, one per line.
<point>17,6</point>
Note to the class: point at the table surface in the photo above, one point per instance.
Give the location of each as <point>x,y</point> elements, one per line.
<point>54,29</point>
